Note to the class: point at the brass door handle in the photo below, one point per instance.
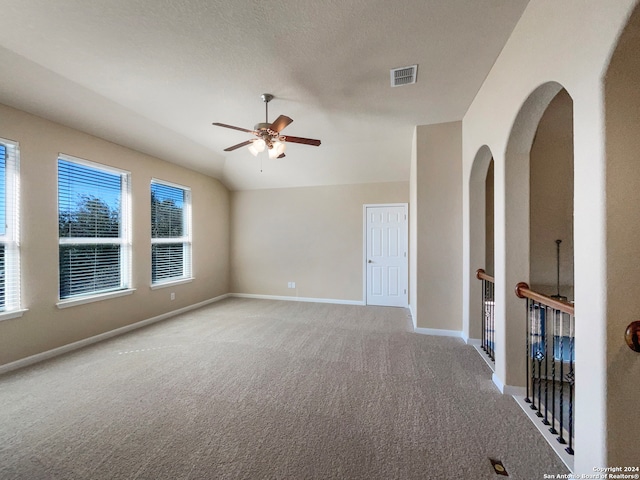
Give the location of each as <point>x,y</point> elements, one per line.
<point>632,335</point>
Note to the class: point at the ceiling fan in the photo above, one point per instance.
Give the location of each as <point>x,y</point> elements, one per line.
<point>268,134</point>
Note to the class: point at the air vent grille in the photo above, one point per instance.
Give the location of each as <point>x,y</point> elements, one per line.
<point>404,75</point>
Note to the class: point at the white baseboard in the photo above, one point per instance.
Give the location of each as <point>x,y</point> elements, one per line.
<point>485,357</point>
<point>508,389</point>
<point>474,342</point>
<point>544,430</point>
<point>39,357</point>
<point>413,317</point>
<point>438,332</point>
<point>297,299</point>
<point>497,382</point>
<point>514,391</point>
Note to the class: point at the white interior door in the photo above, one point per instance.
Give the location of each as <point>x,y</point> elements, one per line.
<point>386,255</point>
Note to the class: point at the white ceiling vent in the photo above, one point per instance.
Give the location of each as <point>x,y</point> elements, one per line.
<point>404,75</point>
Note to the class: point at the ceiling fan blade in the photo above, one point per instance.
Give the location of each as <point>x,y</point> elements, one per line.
<point>231,126</point>
<point>305,141</point>
<point>281,122</point>
<point>238,146</point>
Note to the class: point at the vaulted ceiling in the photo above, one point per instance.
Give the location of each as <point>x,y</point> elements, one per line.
<point>154,74</point>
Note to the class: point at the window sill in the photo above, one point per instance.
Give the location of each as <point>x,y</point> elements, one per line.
<point>171,283</point>
<point>12,314</point>
<point>72,302</point>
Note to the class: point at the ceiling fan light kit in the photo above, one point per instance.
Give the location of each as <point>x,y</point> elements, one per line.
<point>257,146</point>
<point>268,134</point>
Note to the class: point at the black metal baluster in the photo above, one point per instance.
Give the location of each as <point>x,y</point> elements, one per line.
<point>561,431</point>
<point>534,326</point>
<point>545,336</point>
<point>539,358</point>
<point>492,319</point>
<point>553,430</point>
<point>528,333</point>
<point>571,379</point>
<point>484,315</point>
<point>488,300</point>
<point>534,352</point>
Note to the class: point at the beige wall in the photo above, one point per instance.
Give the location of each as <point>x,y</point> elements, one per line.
<point>413,229</point>
<point>44,326</point>
<point>488,221</point>
<point>437,211</point>
<point>312,236</point>
<point>622,101</point>
<point>551,203</point>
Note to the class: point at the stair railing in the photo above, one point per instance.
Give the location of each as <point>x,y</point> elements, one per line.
<point>488,318</point>
<point>550,365</point>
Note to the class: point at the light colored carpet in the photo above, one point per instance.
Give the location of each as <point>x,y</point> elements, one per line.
<point>256,389</point>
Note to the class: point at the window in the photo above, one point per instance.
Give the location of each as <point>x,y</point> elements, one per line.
<point>93,223</point>
<point>9,232</point>
<point>170,232</point>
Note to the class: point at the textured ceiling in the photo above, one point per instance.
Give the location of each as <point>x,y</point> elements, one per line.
<point>154,74</point>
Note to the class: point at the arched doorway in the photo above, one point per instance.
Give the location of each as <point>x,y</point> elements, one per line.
<point>481,236</point>
<point>513,253</point>
<point>538,218</point>
<point>551,201</point>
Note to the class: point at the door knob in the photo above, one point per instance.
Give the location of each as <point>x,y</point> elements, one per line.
<point>370,261</point>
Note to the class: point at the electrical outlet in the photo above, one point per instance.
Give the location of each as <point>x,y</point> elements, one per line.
<point>173,295</point>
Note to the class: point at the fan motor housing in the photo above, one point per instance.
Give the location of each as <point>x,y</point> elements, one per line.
<point>262,126</point>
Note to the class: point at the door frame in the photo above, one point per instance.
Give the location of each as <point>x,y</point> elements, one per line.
<point>364,245</point>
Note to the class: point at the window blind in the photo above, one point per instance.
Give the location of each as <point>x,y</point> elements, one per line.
<point>9,226</point>
<point>93,228</point>
<point>170,232</point>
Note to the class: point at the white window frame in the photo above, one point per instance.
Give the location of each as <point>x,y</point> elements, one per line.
<point>124,240</point>
<point>186,240</point>
<point>11,238</point>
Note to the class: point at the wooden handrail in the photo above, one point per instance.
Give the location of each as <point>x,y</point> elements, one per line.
<point>482,275</point>
<point>523,291</point>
